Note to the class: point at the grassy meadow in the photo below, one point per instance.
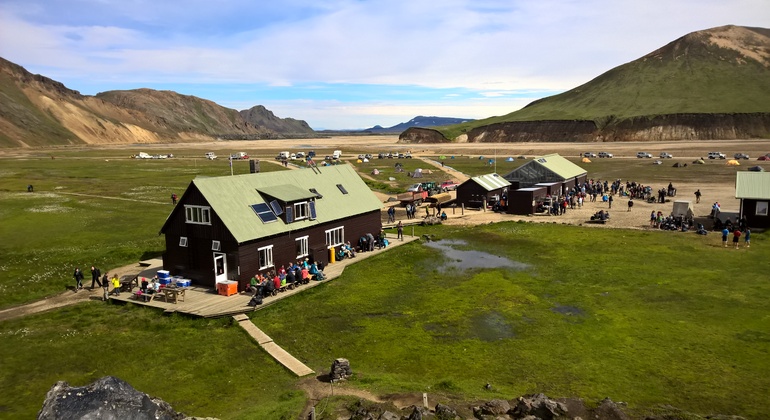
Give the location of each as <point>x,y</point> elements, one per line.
<point>648,318</point>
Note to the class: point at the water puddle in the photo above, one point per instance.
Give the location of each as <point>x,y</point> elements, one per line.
<point>491,327</point>
<point>461,259</point>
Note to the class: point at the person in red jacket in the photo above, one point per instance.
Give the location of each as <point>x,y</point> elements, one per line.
<point>305,275</point>
<point>276,281</point>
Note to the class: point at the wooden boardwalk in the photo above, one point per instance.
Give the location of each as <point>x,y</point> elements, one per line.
<point>205,302</point>
<point>282,356</point>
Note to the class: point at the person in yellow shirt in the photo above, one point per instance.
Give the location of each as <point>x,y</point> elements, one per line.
<point>116,285</point>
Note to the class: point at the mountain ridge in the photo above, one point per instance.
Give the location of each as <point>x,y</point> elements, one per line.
<point>720,71</point>
<point>38,111</point>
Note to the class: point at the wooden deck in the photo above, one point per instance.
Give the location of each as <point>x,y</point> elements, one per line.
<point>205,302</point>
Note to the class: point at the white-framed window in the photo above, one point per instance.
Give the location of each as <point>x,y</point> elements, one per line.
<point>335,236</point>
<point>762,208</point>
<point>302,247</point>
<point>183,241</point>
<point>216,246</point>
<point>200,215</point>
<point>300,210</point>
<point>265,257</point>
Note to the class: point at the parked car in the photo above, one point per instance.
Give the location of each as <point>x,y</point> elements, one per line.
<point>765,157</point>
<point>605,155</point>
<point>643,155</point>
<point>211,155</point>
<point>300,155</point>
<point>414,188</point>
<point>589,154</point>
<point>666,155</point>
<point>716,155</point>
<point>368,156</point>
<point>741,156</point>
<point>449,186</point>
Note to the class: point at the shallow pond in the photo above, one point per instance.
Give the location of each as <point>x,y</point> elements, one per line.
<point>462,259</point>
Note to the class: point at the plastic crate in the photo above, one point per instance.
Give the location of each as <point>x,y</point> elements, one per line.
<point>227,288</point>
<point>182,282</point>
<point>164,274</point>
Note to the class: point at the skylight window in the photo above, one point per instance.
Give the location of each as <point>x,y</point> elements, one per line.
<point>317,194</point>
<point>342,189</point>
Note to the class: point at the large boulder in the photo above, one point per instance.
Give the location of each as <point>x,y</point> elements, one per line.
<point>109,398</point>
<point>340,370</point>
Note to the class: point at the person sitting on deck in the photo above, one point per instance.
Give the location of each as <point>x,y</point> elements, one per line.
<point>144,285</point>
<point>253,286</point>
<point>267,287</point>
<point>316,272</point>
<point>305,275</point>
<point>276,280</point>
<point>290,277</point>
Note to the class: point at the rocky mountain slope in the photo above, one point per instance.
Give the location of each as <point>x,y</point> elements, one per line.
<point>38,111</point>
<point>419,121</point>
<point>711,84</point>
<point>262,117</point>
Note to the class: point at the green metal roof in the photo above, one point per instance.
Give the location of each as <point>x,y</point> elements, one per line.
<point>755,185</point>
<point>287,192</point>
<point>560,166</point>
<point>231,198</point>
<point>491,182</point>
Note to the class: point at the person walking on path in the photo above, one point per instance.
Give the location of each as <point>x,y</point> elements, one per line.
<point>400,229</point>
<point>95,275</point>
<point>610,201</point>
<point>747,237</point>
<point>391,214</point>
<point>725,232</point>
<point>630,203</point>
<point>173,199</point>
<point>697,196</point>
<point>736,237</point>
<point>78,279</point>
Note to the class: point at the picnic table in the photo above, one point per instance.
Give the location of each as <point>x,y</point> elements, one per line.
<point>173,293</point>
<point>127,284</point>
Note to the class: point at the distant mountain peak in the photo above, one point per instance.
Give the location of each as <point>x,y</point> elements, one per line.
<point>419,121</point>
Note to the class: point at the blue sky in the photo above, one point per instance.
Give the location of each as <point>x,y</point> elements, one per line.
<point>344,64</point>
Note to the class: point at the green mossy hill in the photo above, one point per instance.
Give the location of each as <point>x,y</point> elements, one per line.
<point>724,70</point>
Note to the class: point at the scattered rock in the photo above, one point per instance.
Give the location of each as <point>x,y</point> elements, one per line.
<point>495,407</point>
<point>340,370</point>
<point>444,412</point>
<point>420,413</point>
<point>608,410</point>
<point>388,415</point>
<point>538,405</point>
<point>107,398</point>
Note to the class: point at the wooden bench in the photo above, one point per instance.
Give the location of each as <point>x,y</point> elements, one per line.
<point>174,293</point>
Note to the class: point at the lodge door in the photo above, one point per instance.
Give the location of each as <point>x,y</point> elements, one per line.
<point>220,267</point>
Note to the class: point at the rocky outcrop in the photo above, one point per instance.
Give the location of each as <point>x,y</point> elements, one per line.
<point>260,116</point>
<point>671,127</point>
<point>107,398</point>
<point>422,135</point>
<point>540,131</point>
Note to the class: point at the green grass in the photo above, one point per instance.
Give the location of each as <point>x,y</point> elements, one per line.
<point>201,367</point>
<point>646,317</point>
<point>651,324</point>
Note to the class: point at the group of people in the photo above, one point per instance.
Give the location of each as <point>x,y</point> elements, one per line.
<point>293,274</point>
<point>97,280</point>
<point>737,233</point>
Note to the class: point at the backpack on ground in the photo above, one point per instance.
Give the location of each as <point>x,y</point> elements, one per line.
<point>255,301</point>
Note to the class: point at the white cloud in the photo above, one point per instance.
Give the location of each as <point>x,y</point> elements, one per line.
<point>492,46</point>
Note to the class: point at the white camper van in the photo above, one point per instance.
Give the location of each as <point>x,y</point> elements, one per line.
<point>283,156</point>
<point>337,154</point>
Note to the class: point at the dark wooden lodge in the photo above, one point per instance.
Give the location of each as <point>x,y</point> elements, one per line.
<point>488,188</point>
<point>232,227</point>
<point>548,169</point>
<point>753,189</point>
